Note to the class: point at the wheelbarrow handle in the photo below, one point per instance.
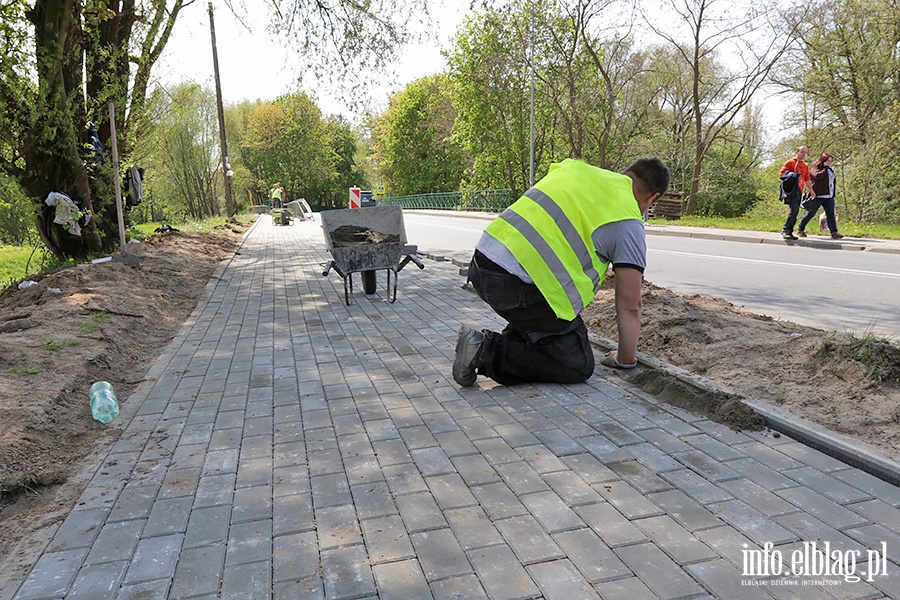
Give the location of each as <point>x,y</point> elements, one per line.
<point>328,266</point>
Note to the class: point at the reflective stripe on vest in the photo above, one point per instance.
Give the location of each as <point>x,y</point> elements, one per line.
<point>549,231</point>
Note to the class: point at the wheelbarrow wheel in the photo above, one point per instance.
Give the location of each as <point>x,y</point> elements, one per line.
<point>369,283</point>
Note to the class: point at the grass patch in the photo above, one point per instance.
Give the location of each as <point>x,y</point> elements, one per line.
<point>54,346</point>
<point>100,317</point>
<point>88,328</point>
<point>237,224</point>
<point>880,357</point>
<point>29,370</point>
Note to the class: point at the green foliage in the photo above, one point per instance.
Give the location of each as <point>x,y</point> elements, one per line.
<point>413,144</point>
<point>287,141</point>
<point>183,162</point>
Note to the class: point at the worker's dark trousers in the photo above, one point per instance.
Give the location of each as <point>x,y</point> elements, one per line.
<point>535,345</point>
<point>793,211</point>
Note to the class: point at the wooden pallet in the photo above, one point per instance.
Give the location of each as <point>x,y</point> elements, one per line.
<point>668,206</point>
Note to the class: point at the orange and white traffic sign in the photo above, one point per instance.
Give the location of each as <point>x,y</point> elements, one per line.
<point>355,202</point>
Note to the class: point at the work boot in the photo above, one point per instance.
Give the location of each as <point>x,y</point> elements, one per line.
<point>468,348</point>
<point>836,236</point>
<point>788,235</point>
<point>801,234</point>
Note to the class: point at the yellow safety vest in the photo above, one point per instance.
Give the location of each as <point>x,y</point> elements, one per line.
<point>549,230</point>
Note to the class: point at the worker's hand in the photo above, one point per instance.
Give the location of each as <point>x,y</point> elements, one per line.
<point>612,360</point>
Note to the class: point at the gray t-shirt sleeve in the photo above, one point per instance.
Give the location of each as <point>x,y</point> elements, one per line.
<point>622,244</point>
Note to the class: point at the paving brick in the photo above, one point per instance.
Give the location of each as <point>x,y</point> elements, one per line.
<point>499,501</point>
<point>401,581</point>
<point>208,526</point>
<point>337,527</point>
<point>292,514</point>
<point>417,437</point>
<point>116,541</point>
<point>695,486</point>
<point>98,581</point>
<point>612,527</point>
<point>822,508</point>
<point>346,574</point>
<point>640,477</point>
<point>501,574</point>
<point>827,485</point>
<point>253,580</point>
<point>589,468</point>
<point>475,470</point>
<point>596,561</point>
<point>134,502</point>
<point>310,588</point>
<point>497,451</point>
<point>811,457</point>
<point>455,443</point>
<point>78,530</point>
<point>473,528</point>
<point>675,540</point>
<point>761,499</point>
<point>386,539</point>
<point>631,588</point>
<point>199,571</point>
<point>420,512</point>
<point>559,442</point>
<point>155,558</point>
<point>295,556</point>
<point>373,500</point>
<point>752,523</point>
<point>762,475</point>
<point>291,480</point>
<point>330,490</point>
<point>404,479</point>
<point>466,587</point>
<point>706,466</point>
<point>559,579</point>
<point>870,484</point>
<point>658,572</point>
<point>249,543</point>
<point>432,461</point>
<point>618,434</point>
<point>153,590</point>
<point>52,574</point>
<point>725,581</point>
<point>606,451</point>
<point>450,491</point>
<point>572,488</point>
<point>529,541</point>
<point>252,504</point>
<point>440,554</point>
<point>521,477</point>
<point>553,514</point>
<point>168,516</point>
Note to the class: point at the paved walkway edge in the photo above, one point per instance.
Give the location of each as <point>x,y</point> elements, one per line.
<point>802,430</point>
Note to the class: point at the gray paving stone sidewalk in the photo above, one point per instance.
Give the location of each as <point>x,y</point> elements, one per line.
<point>289,446</point>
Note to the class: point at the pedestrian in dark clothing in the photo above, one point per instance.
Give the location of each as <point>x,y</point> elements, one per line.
<point>823,194</point>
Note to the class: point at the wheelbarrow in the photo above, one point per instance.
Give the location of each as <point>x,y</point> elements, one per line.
<point>282,216</point>
<point>367,240</point>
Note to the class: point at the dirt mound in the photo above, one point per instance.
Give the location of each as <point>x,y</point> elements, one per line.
<point>846,384</point>
<point>84,324</point>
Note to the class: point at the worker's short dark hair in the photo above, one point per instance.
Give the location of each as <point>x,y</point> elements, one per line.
<point>652,173</point>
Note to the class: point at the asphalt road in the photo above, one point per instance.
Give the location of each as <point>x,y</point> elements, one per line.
<point>846,291</point>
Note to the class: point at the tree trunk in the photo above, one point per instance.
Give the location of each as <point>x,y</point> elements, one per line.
<point>51,145</point>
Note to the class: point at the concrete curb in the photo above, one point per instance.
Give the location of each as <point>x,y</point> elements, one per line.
<point>802,430</point>
<point>757,238</point>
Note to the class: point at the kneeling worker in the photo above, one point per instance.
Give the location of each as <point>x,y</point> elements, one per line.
<point>542,261</point>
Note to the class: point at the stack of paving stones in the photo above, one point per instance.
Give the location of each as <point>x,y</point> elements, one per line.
<point>288,446</point>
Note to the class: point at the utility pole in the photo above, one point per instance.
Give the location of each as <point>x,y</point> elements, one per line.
<point>226,168</point>
<point>531,133</point>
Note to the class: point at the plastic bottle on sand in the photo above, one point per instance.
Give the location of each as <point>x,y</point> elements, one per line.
<point>104,405</point>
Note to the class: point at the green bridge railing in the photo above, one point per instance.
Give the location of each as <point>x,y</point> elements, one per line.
<point>481,200</point>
